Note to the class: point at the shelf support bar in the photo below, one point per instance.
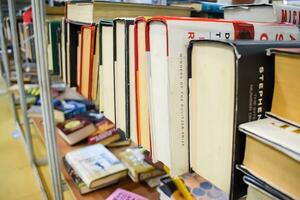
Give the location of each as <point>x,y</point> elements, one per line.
<point>6,64</point>
<point>38,15</point>
<point>19,72</point>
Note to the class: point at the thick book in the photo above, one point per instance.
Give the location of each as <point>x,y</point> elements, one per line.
<point>92,12</point>
<point>86,60</point>
<point>142,87</point>
<point>287,13</point>
<point>81,186</point>
<point>250,12</point>
<point>122,32</point>
<point>75,129</point>
<point>96,165</point>
<point>167,41</point>
<point>272,154</point>
<point>106,70</point>
<point>225,92</point>
<point>285,103</point>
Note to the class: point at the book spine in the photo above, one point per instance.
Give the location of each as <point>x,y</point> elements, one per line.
<point>212,7</point>
<point>287,14</point>
<point>97,138</point>
<point>75,178</point>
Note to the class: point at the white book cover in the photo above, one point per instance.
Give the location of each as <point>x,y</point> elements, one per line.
<point>94,162</point>
<point>278,134</point>
<point>168,40</point>
<point>287,13</point>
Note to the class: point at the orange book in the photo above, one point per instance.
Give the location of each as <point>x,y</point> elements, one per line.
<point>86,61</point>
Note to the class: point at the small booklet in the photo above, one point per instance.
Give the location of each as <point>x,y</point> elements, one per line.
<point>121,194</point>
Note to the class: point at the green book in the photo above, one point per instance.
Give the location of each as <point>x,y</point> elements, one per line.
<point>54,40</point>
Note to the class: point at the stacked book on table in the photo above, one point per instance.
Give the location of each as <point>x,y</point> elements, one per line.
<point>271,163</point>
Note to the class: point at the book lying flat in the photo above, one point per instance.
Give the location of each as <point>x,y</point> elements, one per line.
<point>96,165</point>
<point>121,194</point>
<point>92,12</point>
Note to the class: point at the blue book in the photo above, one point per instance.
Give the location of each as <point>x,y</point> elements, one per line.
<point>71,108</point>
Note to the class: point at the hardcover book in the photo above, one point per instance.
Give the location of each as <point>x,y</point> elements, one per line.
<point>286,98</point>
<point>105,138</point>
<point>87,56</point>
<point>287,13</point>
<point>70,108</point>
<point>122,27</point>
<point>96,165</point>
<point>92,12</point>
<point>142,88</point>
<point>167,41</point>
<point>224,93</point>
<point>81,186</point>
<point>138,169</point>
<point>272,148</point>
<point>106,70</point>
<point>75,129</point>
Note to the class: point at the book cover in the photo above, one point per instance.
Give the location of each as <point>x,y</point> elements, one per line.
<point>72,125</point>
<point>247,97</point>
<point>87,56</point>
<point>166,41</point>
<point>121,73</point>
<point>138,169</point>
<point>81,186</point>
<point>142,89</point>
<point>121,194</point>
<point>285,103</point>
<point>100,138</point>
<point>96,165</point>
<point>70,108</point>
<point>287,13</point>
<point>106,70</point>
<point>54,29</point>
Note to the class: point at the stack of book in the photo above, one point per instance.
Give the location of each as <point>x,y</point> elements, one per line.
<point>271,162</point>
<point>176,85</point>
<point>93,167</point>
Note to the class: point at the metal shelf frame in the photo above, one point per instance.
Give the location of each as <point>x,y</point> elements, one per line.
<point>38,8</point>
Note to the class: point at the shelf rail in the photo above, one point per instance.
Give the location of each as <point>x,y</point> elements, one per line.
<point>19,73</point>
<point>38,15</point>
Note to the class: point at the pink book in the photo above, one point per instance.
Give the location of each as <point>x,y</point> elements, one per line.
<point>121,194</point>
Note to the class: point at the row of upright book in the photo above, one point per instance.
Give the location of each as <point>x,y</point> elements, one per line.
<point>180,86</point>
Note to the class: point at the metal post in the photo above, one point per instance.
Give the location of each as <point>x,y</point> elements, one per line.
<point>16,52</point>
<point>38,14</point>
<point>6,64</point>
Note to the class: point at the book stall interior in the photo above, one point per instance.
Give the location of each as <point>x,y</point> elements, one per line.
<point>150,99</point>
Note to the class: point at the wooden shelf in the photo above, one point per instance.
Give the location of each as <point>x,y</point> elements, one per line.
<point>101,194</point>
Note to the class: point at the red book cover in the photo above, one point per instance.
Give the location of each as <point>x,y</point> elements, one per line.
<point>27,16</point>
<point>93,139</point>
